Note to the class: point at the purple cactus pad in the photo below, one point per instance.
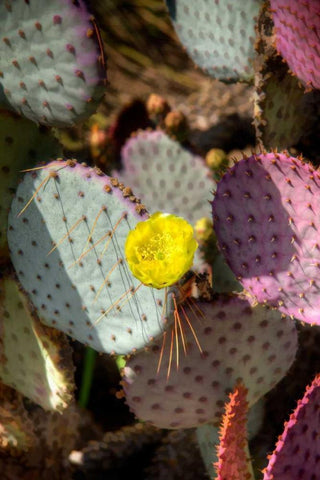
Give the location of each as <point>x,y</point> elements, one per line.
<point>297,26</point>
<point>266,220</point>
<point>296,456</point>
<point>238,342</point>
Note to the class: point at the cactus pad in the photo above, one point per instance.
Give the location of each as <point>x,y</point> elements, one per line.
<point>236,341</point>
<point>50,61</point>
<point>283,112</point>
<point>296,455</point>
<point>68,249</point>
<point>233,461</point>
<point>266,221</point>
<point>223,279</point>
<point>297,25</point>
<point>208,435</point>
<point>38,360</point>
<point>219,36</point>
<point>166,176</point>
<point>22,145</point>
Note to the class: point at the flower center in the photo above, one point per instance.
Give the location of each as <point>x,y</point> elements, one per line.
<point>160,250</point>
<point>160,246</point>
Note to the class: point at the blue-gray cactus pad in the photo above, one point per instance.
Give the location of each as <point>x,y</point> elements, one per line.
<point>218,36</point>
<point>93,297</point>
<point>51,68</point>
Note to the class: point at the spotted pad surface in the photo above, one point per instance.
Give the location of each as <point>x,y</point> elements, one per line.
<point>238,342</point>
<point>266,220</point>
<point>297,26</point>
<point>37,360</point>
<point>50,60</point>
<point>296,455</point>
<point>166,176</point>
<point>218,35</point>
<point>68,249</point>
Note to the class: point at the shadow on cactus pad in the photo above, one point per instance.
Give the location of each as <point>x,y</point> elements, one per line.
<point>266,220</point>
<point>67,230</point>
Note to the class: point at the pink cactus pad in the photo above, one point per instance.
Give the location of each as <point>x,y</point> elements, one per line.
<point>296,456</point>
<point>266,217</point>
<point>297,26</point>
<point>238,343</point>
<point>233,462</point>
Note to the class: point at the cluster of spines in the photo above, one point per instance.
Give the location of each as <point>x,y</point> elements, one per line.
<point>114,182</point>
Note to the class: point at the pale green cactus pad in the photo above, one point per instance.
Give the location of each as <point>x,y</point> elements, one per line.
<point>37,360</point>
<point>68,249</point>
<point>219,36</point>
<point>22,145</point>
<point>50,60</point>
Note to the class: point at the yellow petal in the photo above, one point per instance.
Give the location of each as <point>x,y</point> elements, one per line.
<point>160,250</point>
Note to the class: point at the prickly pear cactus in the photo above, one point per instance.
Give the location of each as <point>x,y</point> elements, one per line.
<point>223,279</point>
<point>166,176</point>
<point>296,454</point>
<point>37,360</point>
<point>208,435</point>
<point>116,447</point>
<point>22,145</point>
<point>16,428</point>
<point>55,435</point>
<point>283,112</point>
<point>177,456</point>
<point>266,220</point>
<point>297,25</point>
<point>219,36</point>
<point>233,459</point>
<point>67,230</point>
<point>208,349</point>
<point>208,440</point>
<point>50,60</point>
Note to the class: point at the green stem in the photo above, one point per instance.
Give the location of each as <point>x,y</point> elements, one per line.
<point>87,376</point>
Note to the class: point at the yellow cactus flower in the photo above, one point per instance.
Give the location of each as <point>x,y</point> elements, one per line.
<point>160,250</point>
